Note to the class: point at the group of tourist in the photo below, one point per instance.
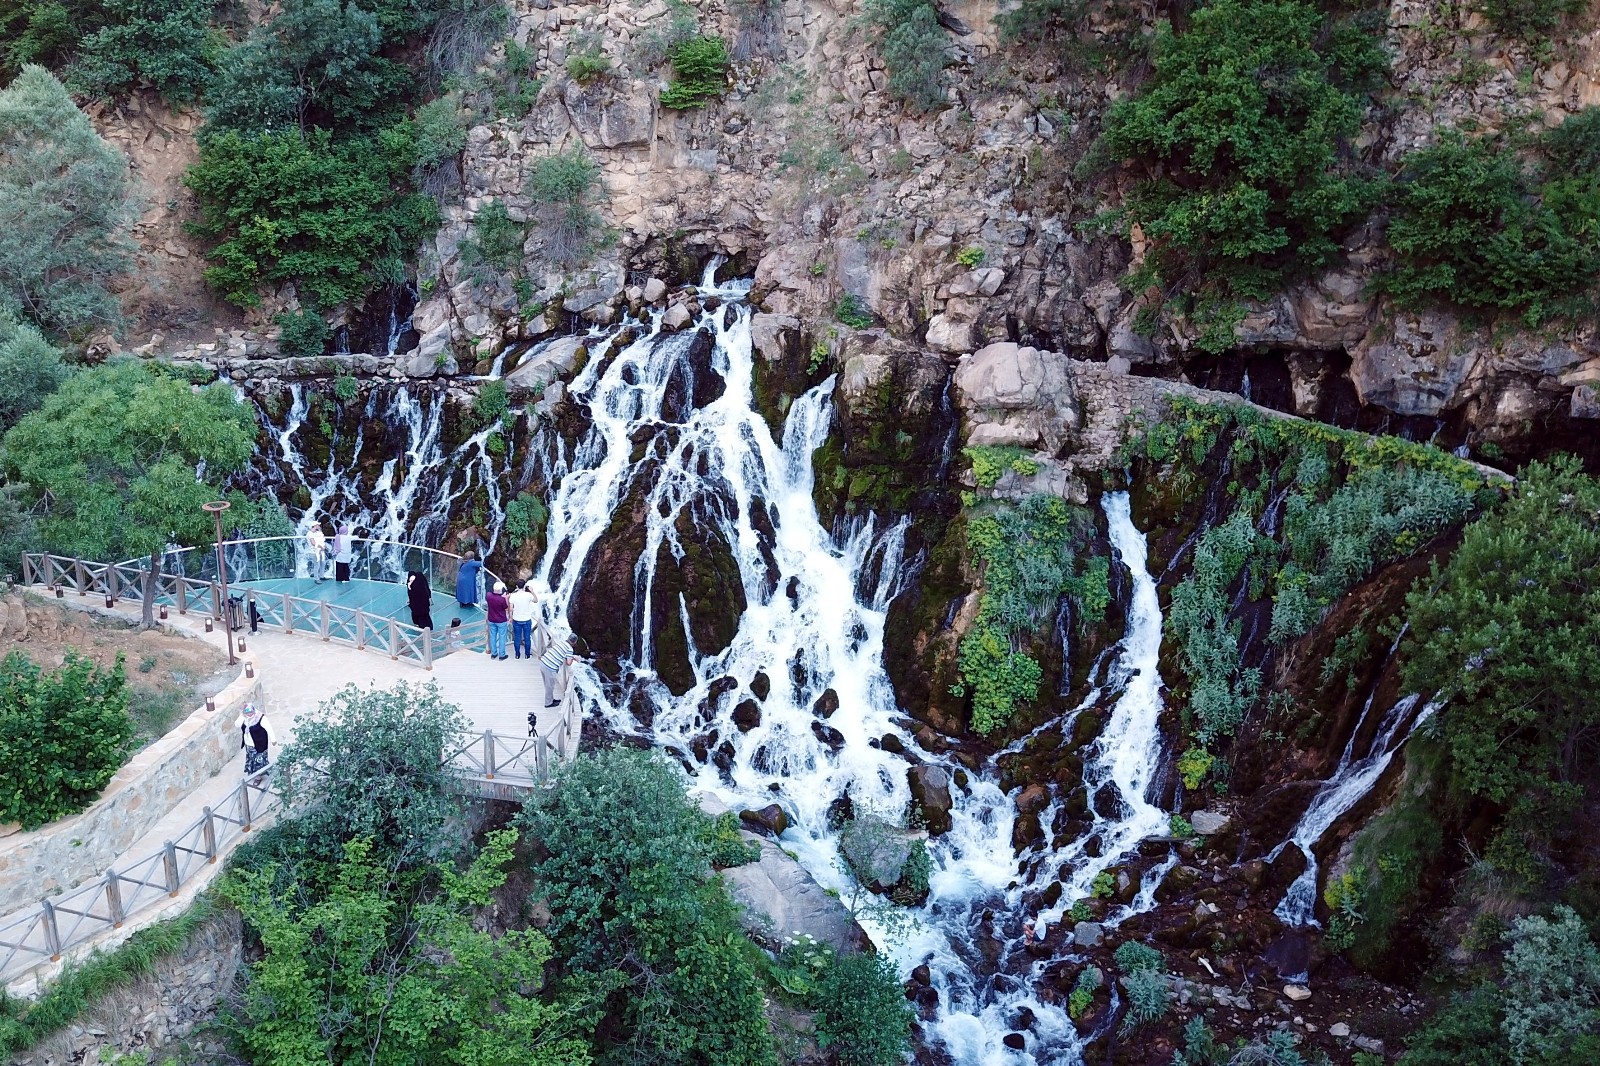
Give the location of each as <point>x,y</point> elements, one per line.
<point>317,552</point>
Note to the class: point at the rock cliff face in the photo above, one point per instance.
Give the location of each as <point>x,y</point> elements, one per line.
<point>808,172</point>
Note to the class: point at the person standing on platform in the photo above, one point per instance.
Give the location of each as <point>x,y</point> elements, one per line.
<point>498,607</point>
<point>420,596</point>
<point>467,581</point>
<point>343,554</point>
<point>524,606</point>
<point>557,656</point>
<point>255,737</point>
<point>317,549</point>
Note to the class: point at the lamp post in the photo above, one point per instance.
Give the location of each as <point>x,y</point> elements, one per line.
<point>215,508</point>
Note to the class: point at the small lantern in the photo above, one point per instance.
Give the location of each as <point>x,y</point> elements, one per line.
<point>61,593</point>
<point>111,601</point>
<point>249,668</point>
<point>241,644</point>
<point>211,704</point>
<point>163,612</point>
<point>208,625</point>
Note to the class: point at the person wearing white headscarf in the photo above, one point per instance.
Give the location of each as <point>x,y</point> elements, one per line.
<point>255,737</point>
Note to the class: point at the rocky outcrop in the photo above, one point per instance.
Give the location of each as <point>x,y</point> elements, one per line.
<point>1020,396</point>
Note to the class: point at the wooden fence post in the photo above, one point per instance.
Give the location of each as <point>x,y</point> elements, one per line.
<point>114,899</point>
<point>244,807</point>
<point>427,649</point>
<point>27,569</point>
<point>394,640</point>
<point>52,932</point>
<point>79,580</point>
<point>288,613</point>
<point>169,862</point>
<point>322,623</point>
<point>209,834</point>
<point>488,754</point>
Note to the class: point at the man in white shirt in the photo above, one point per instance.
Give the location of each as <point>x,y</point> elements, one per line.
<point>524,606</point>
<point>556,655</point>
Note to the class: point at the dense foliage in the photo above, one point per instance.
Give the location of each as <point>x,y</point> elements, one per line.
<point>368,766</point>
<point>1473,224</point>
<point>118,461</point>
<point>63,734</point>
<point>1240,135</point>
<point>914,47</point>
<point>1032,555</point>
<point>626,873</point>
<point>30,369</point>
<point>1349,504</point>
<point>1504,632</point>
<point>165,44</point>
<point>67,202</point>
<point>700,71</point>
<point>303,207</point>
<point>389,967</point>
<point>564,187</point>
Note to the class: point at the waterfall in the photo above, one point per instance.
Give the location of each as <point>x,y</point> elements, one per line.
<point>418,488</point>
<point>1352,779</point>
<point>664,443</point>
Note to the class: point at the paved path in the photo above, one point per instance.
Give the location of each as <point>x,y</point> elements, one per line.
<point>298,672</point>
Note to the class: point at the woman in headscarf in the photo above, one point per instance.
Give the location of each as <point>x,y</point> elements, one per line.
<point>467,581</point>
<point>421,599</point>
<point>343,553</point>
<point>255,737</point>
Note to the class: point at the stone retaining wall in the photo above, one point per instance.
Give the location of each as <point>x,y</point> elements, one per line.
<point>181,993</point>
<point>67,852</point>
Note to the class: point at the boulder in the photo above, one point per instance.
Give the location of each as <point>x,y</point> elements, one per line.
<point>945,334</point>
<point>550,361</point>
<point>1585,402</point>
<point>611,113</point>
<point>594,287</point>
<point>930,793</point>
<point>1298,993</point>
<point>876,851</point>
<point>654,290</point>
<point>747,715</point>
<point>768,334</point>
<point>1016,395</point>
<point>779,899</point>
<point>1208,823</point>
<point>1088,934</point>
<point>771,818</point>
<point>677,316</point>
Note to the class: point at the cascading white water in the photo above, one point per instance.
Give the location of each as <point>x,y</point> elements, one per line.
<point>1351,780</point>
<point>416,490</point>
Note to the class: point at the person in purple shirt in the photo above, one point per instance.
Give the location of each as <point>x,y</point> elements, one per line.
<point>497,606</point>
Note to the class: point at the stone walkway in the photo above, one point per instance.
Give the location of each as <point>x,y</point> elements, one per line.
<point>299,672</point>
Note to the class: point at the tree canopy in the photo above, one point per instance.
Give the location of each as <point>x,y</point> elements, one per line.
<point>30,369</point>
<point>113,461</point>
<point>66,202</point>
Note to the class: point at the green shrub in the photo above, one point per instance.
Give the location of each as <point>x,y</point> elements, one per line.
<point>302,333</point>
<point>1472,225</point>
<point>1552,997</point>
<point>700,73</point>
<point>309,209</point>
<point>677,25</point>
<point>1133,957</point>
<point>862,1015</point>
<point>588,63</point>
<point>625,871</point>
<point>30,369</point>
<point>1083,991</point>
<point>525,519</point>
<point>45,32</point>
<point>63,735</point>
<point>345,388</point>
<point>852,311</point>
<point>494,246</point>
<point>1346,897</point>
<point>1221,688</point>
<point>970,257</point>
<point>915,50</point>
<point>166,44</point>
<point>439,135</point>
<point>1466,1032</point>
<point>1247,178</point>
<point>1029,553</point>
<point>69,201</point>
<point>1035,22</point>
<point>990,464</point>
<point>563,188</point>
<point>725,846</point>
<point>391,788</point>
<point>1149,998</point>
<point>1531,20</point>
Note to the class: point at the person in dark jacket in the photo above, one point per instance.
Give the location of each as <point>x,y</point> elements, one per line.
<point>255,737</point>
<point>467,581</point>
<point>421,599</point>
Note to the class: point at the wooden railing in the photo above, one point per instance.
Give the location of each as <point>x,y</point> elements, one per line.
<point>334,623</point>
<point>63,922</point>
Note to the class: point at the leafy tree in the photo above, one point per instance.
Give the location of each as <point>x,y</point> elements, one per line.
<point>368,765</point>
<point>318,63</point>
<point>1475,226</point>
<point>1504,632</point>
<point>302,333</point>
<point>700,68</point>
<point>65,206</point>
<point>862,1014</point>
<point>30,369</point>
<point>915,50</point>
<point>165,43</point>
<point>1240,135</point>
<point>322,213</point>
<point>62,736</point>
<point>382,970</point>
<point>626,873</point>
<point>113,459</point>
<point>43,31</point>
<point>1552,1011</point>
<point>1531,20</point>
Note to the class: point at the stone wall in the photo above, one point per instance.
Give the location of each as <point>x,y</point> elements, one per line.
<point>67,852</point>
<point>181,993</point>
